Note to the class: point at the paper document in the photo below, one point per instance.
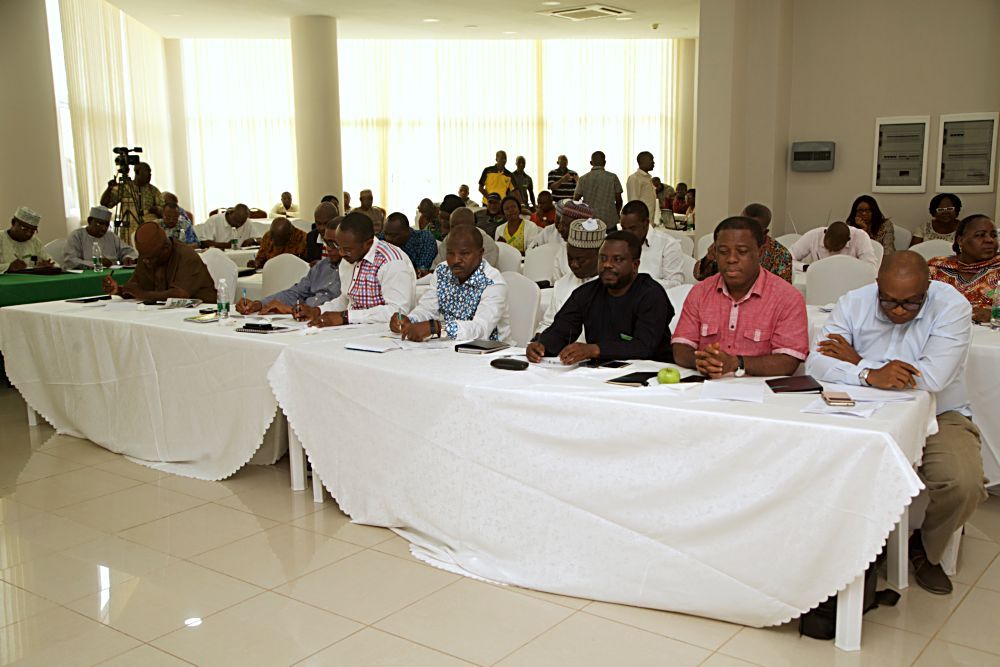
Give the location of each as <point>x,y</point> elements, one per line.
<point>870,394</point>
<point>864,410</point>
<point>378,345</point>
<point>728,390</point>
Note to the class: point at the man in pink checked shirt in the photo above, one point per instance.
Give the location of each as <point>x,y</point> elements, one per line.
<point>742,321</point>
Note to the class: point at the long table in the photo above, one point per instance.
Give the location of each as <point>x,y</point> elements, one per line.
<point>16,289</point>
<point>554,480</point>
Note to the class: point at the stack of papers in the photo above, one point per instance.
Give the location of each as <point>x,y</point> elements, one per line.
<point>870,394</point>
<point>862,409</point>
<point>729,390</point>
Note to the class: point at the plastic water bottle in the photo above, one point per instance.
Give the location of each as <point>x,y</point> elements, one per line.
<point>96,252</point>
<point>995,312</point>
<point>222,300</point>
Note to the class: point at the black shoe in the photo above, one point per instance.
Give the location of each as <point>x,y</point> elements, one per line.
<point>929,576</point>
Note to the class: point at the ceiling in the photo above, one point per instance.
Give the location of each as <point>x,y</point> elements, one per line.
<point>386,19</point>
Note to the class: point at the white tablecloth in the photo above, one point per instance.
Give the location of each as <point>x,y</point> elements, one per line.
<point>751,513</point>
<point>192,399</point>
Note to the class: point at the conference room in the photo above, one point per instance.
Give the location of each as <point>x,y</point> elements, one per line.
<point>660,332</point>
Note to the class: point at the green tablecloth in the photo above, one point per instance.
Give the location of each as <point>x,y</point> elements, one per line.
<point>16,289</point>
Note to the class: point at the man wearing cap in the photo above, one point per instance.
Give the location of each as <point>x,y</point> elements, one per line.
<point>79,251</point>
<point>19,247</point>
<point>490,218</point>
<point>584,241</point>
<point>166,269</point>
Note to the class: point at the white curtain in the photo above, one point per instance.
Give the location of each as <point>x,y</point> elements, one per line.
<point>240,122</point>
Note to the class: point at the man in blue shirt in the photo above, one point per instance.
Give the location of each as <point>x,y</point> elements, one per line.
<point>419,244</point>
<point>908,332</point>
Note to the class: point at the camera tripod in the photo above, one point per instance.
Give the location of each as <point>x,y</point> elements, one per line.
<point>127,212</point>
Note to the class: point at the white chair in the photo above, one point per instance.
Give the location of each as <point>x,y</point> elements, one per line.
<point>903,237</point>
<point>788,239</point>
<point>677,296</point>
<point>689,263</point>
<point>282,272</point>
<point>538,261</point>
<point>510,258</point>
<point>687,243</point>
<point>703,244</point>
<point>879,251</point>
<point>829,279</point>
<point>56,249</point>
<point>220,266</point>
<point>523,298</point>
<point>935,248</point>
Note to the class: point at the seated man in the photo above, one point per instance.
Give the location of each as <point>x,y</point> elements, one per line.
<point>902,332</point>
<point>491,217</point>
<point>321,285</point>
<point>171,198</point>
<point>418,244</point>
<point>283,238</point>
<point>166,269</point>
<point>467,298</point>
<point>79,250</point>
<point>322,217</point>
<point>743,320</point>
<point>582,245</point>
<point>623,315</point>
<point>20,249</point>
<point>546,213</point>
<point>285,208</point>
<point>382,279</point>
<point>837,239</point>
<point>774,257</point>
<point>465,216</point>
<point>228,226</point>
<point>374,213</point>
<point>177,227</point>
<point>567,211</point>
<point>662,254</point>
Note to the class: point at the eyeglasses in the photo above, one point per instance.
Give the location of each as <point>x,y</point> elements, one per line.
<point>910,306</point>
<point>946,209</point>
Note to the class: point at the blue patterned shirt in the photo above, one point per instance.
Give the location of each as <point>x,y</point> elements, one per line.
<point>474,309</point>
<point>421,248</point>
<point>183,231</point>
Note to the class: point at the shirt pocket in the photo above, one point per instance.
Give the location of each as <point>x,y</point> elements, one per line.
<point>755,342</point>
<point>708,333</point>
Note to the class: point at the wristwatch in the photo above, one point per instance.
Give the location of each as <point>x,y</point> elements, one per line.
<point>741,369</point>
<point>435,329</point>
<point>863,375</point>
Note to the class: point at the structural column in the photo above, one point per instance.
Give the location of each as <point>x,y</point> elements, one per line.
<point>316,87</point>
<point>687,56</point>
<point>178,124</point>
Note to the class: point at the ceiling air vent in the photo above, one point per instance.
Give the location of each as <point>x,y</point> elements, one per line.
<point>589,12</point>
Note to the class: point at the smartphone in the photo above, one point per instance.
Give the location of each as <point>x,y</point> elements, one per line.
<point>838,399</point>
<point>614,363</point>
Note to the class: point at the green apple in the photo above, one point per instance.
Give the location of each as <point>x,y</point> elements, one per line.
<point>669,375</point>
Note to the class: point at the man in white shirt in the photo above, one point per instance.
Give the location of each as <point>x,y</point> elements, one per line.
<point>285,208</point>
<point>374,213</point>
<point>467,299</point>
<point>223,228</point>
<point>640,186</point>
<point>662,255</point>
<point>837,239</point>
<point>567,211</point>
<point>382,279</point>
<point>582,246</point>
<point>903,332</point>
<point>79,250</point>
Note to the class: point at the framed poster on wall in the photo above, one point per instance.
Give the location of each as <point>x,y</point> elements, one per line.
<point>967,152</point>
<point>900,154</point>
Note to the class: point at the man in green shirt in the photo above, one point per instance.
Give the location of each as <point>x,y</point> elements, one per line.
<point>20,248</point>
<point>150,199</point>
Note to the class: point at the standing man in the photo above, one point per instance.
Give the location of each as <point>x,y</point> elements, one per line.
<point>601,190</point>
<point>19,245</point>
<point>907,331</point>
<point>582,246</point>
<point>166,269</point>
<point>562,180</point>
<point>419,244</point>
<point>640,186</point>
<point>523,184</point>
<point>496,179</point>
<point>150,199</point>
<point>283,238</point>
<point>662,253</point>
<point>79,251</point>
<point>374,213</point>
<point>285,208</point>
<point>774,257</point>
<point>223,228</point>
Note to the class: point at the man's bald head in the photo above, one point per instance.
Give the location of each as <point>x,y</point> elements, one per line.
<point>903,281</point>
<point>465,234</point>
<point>905,265</point>
<point>281,231</point>
<point>324,213</point>
<point>462,216</point>
<point>836,236</point>
<point>149,239</point>
<point>238,215</point>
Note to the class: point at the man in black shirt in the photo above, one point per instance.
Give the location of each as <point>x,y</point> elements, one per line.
<point>323,214</point>
<point>562,180</point>
<point>623,315</point>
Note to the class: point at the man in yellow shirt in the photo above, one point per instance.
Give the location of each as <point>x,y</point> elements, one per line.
<point>149,206</point>
<point>496,178</point>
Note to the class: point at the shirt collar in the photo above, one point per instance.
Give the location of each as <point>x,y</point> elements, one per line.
<point>370,255</point>
<point>757,289</point>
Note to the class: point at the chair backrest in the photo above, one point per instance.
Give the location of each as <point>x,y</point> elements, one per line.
<point>935,248</point>
<point>879,251</point>
<point>703,244</point>
<point>282,272</point>
<point>220,266</point>
<point>829,279</point>
<point>687,243</point>
<point>689,263</point>
<point>903,237</point>
<point>677,295</point>
<point>56,248</point>
<point>510,258</point>
<point>523,298</point>
<point>538,261</point>
<point>788,239</point>
<point>218,210</point>
<point>257,213</point>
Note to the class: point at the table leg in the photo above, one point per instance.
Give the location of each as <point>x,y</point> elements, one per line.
<point>898,553</point>
<point>850,603</point>
<point>317,487</point>
<point>32,416</point>
<point>296,460</point>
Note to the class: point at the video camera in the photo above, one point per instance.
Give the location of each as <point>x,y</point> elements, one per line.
<point>123,158</point>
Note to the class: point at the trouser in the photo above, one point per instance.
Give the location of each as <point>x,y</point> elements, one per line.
<point>952,470</point>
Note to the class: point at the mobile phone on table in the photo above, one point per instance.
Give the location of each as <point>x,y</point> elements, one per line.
<point>838,399</point>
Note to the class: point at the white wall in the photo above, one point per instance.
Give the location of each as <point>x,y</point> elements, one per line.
<point>30,171</point>
<point>855,60</point>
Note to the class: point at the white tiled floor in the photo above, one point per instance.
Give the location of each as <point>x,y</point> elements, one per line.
<point>103,561</point>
